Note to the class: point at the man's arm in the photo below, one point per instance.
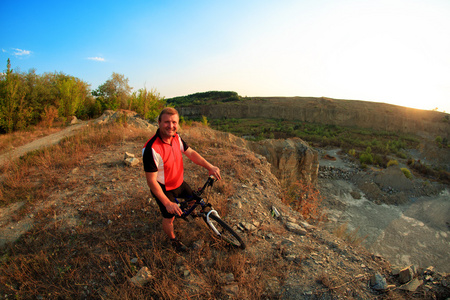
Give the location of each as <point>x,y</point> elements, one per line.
<point>157,190</point>
<point>199,160</point>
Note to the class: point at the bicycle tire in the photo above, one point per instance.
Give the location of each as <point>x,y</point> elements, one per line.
<point>226,232</point>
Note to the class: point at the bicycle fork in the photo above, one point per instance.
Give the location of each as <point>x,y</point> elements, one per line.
<point>208,221</point>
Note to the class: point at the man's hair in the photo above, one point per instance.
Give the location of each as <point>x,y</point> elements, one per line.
<point>167,111</point>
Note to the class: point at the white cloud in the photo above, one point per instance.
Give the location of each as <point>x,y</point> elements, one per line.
<point>20,52</point>
<point>96,58</point>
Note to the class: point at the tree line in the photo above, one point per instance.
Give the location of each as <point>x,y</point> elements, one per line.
<point>28,99</point>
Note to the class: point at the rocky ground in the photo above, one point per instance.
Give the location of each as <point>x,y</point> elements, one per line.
<point>291,258</point>
<point>406,221</point>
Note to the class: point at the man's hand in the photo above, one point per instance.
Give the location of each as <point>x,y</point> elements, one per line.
<point>173,208</point>
<point>215,171</point>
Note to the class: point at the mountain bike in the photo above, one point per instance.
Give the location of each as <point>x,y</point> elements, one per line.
<point>197,207</point>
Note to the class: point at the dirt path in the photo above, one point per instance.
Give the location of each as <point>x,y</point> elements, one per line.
<point>49,140</point>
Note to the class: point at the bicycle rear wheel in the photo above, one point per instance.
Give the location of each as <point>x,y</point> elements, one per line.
<point>226,233</point>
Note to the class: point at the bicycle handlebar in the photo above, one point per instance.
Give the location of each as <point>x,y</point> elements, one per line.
<point>209,182</point>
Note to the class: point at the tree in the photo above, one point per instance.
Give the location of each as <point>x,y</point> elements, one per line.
<point>13,111</point>
<point>114,93</point>
<point>147,103</point>
<point>70,97</point>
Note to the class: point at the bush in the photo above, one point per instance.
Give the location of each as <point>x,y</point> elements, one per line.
<point>304,198</point>
<point>205,121</point>
<point>49,115</point>
<point>392,162</point>
<point>407,173</point>
<point>365,158</point>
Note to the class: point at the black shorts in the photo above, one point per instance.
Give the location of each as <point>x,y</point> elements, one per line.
<point>183,191</point>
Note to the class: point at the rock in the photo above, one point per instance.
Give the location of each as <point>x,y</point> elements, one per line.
<point>406,275</point>
<point>231,289</point>
<point>378,282</point>
<point>228,277</point>
<point>306,225</point>
<point>295,228</point>
<point>128,155</point>
<point>73,120</point>
<point>412,285</point>
<point>275,212</point>
<point>248,226</point>
<point>142,277</point>
<point>197,245</point>
<point>429,270</point>
<point>132,162</point>
<point>395,270</point>
<point>291,159</point>
<point>355,194</point>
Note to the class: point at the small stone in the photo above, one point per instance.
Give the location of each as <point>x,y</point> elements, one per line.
<point>406,275</point>
<point>229,277</point>
<point>231,289</point>
<point>412,285</point>
<point>134,260</point>
<point>296,228</point>
<point>128,155</point>
<point>378,282</point>
<point>132,162</point>
<point>142,277</point>
<point>197,245</point>
<point>248,226</point>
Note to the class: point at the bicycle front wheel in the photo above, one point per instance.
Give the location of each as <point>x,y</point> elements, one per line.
<point>226,233</point>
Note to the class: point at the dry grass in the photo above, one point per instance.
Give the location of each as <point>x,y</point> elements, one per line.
<point>27,179</point>
<point>115,234</point>
<point>304,198</point>
<point>351,236</point>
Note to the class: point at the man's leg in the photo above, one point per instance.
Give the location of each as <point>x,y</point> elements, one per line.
<point>167,225</point>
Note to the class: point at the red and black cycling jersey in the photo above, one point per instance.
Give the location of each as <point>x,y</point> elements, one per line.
<point>166,159</point>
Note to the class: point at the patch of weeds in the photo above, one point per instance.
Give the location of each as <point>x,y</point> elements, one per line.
<point>350,236</point>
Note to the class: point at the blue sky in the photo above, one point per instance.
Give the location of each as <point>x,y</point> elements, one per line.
<point>392,51</point>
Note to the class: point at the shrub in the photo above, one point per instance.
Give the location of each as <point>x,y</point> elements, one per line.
<point>49,115</point>
<point>205,121</point>
<point>407,173</point>
<point>365,158</point>
<point>304,198</point>
<point>392,162</point>
<point>352,152</point>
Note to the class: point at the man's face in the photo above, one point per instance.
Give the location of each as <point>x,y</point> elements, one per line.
<point>168,125</point>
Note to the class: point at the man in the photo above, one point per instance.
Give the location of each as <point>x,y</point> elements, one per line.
<point>163,165</point>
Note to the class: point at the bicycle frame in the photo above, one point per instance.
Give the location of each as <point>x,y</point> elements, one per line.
<point>188,209</point>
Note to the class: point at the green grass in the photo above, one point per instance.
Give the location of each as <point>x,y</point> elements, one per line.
<point>380,142</point>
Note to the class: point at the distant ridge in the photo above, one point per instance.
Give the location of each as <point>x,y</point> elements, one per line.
<point>350,113</point>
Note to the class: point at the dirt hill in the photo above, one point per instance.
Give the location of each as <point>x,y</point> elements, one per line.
<point>98,226</point>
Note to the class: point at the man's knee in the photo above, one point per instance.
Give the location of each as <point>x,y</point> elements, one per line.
<point>168,221</point>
